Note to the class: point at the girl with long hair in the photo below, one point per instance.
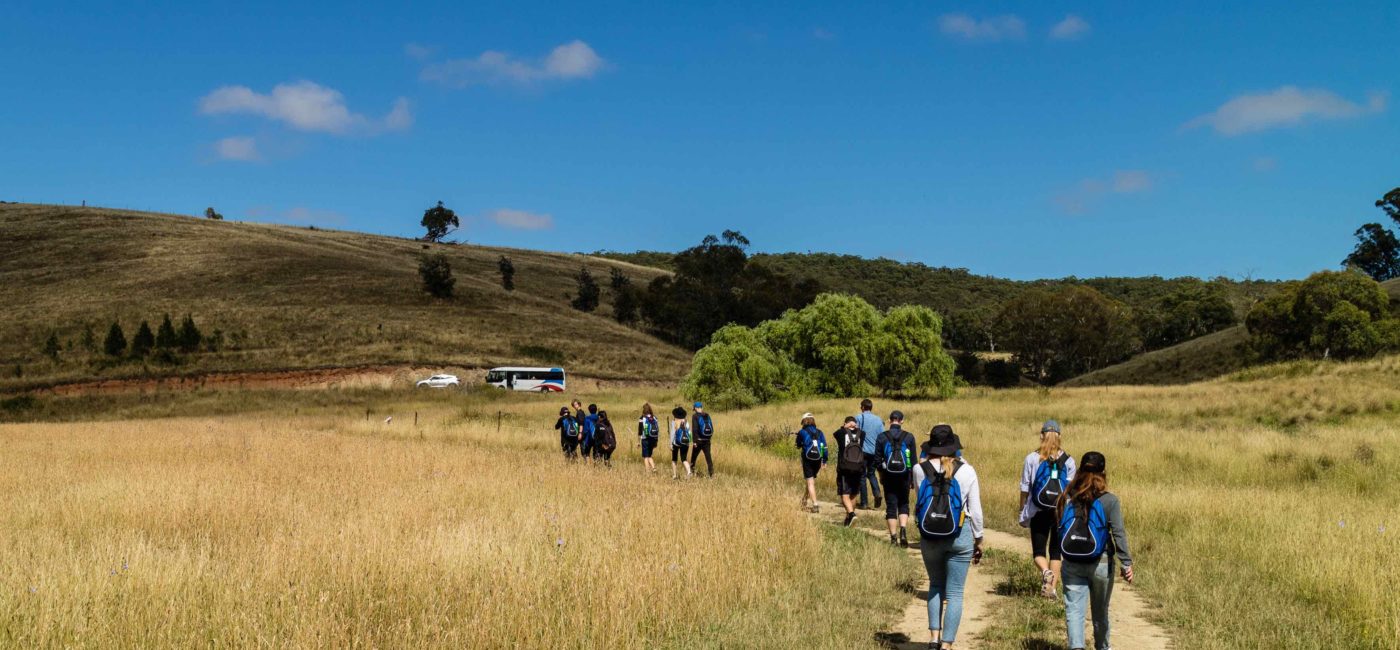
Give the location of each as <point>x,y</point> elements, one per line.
<point>947,553</point>
<point>1044,474</point>
<point>649,432</point>
<point>1092,536</point>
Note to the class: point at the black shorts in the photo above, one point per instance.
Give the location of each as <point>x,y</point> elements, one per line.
<point>648,446</point>
<point>848,483</point>
<point>680,453</point>
<point>1043,534</point>
<point>896,488</point>
<point>810,468</point>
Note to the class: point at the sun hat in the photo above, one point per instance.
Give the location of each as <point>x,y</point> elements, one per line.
<point>1050,425</point>
<point>942,441</point>
<point>1093,462</point>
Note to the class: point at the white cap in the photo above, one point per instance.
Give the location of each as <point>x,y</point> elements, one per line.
<point>806,415</point>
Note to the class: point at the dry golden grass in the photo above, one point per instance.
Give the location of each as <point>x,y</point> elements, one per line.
<point>304,298</point>
<point>328,530</point>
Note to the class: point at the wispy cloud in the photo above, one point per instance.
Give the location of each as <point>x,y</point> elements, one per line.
<point>1087,193</point>
<point>995,28</point>
<point>241,148</point>
<point>298,215</point>
<point>1072,28</point>
<point>304,106</point>
<point>521,220</point>
<point>572,60</point>
<point>1285,106</point>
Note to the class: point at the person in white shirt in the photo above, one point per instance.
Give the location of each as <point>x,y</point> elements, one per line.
<point>948,552</point>
<point>1044,475</point>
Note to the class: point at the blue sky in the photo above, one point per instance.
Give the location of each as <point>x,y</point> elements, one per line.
<point>1023,140</point>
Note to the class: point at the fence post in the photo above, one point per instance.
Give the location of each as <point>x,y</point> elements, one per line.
<point>498,421</point>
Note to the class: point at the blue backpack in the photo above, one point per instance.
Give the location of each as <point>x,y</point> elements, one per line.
<point>1051,476</point>
<point>1083,532</point>
<point>813,448</point>
<point>940,506</point>
<point>704,426</point>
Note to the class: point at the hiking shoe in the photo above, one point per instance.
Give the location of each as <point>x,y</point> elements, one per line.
<point>815,509</point>
<point>894,540</point>
<point>1047,584</point>
<point>850,517</point>
<point>903,538</point>
<point>879,502</point>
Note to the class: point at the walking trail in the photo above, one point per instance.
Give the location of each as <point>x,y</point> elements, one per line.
<point>1127,615</point>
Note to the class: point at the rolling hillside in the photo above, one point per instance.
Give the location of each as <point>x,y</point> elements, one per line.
<point>283,298</point>
<point>1199,359</point>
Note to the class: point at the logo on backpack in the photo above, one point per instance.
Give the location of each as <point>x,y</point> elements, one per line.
<point>852,456</point>
<point>940,504</point>
<point>650,428</point>
<point>1083,532</point>
<point>1050,479</point>
<point>682,434</point>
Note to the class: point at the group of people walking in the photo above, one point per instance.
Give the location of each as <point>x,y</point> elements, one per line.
<point>1076,524</point>
<point>590,435</point>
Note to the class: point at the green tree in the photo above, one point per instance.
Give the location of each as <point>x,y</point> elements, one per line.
<point>115,344</point>
<point>1193,310</point>
<point>166,339</point>
<point>436,273</point>
<point>507,269</point>
<point>626,301</point>
<point>1390,204</point>
<point>587,293</point>
<point>52,347</point>
<point>189,336</point>
<point>144,341</point>
<point>439,222</point>
<point>738,369</point>
<point>1377,252</point>
<point>210,213</point>
<point>1342,314</point>
<point>1061,333</point>
<point>911,356</point>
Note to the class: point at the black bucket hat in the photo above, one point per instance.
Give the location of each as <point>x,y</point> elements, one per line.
<point>942,441</point>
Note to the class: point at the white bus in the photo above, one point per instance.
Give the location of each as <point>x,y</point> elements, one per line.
<point>544,380</point>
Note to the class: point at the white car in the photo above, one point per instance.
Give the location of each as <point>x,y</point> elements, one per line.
<point>440,381</point>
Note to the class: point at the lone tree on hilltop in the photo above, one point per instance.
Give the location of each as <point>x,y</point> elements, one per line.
<point>436,273</point>
<point>210,213</point>
<point>586,300</point>
<point>115,344</point>
<point>507,273</point>
<point>1377,251</point>
<point>439,220</point>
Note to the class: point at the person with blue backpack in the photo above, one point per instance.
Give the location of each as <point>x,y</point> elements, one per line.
<point>568,432</point>
<point>590,428</point>
<point>703,429</point>
<point>948,512</point>
<point>1092,536</point>
<point>895,451</point>
<point>1044,475</point>
<point>649,433</point>
<point>811,447</point>
<point>680,442</point>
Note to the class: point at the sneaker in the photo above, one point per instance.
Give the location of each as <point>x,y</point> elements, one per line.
<point>1047,584</point>
<point>903,538</point>
<point>850,517</point>
<point>816,509</point>
<point>894,541</point>
<point>879,502</point>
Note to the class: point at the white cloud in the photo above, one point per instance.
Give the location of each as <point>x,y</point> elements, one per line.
<point>1071,28</point>
<point>995,28</point>
<point>241,148</point>
<point>302,105</point>
<point>521,220</point>
<point>573,60</point>
<point>1087,193</point>
<point>1283,107</point>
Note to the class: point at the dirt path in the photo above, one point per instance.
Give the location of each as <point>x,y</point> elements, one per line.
<point>1128,615</point>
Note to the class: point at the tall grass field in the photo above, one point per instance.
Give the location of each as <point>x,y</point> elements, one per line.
<point>1262,508</point>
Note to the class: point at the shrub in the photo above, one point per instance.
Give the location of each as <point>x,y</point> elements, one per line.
<point>507,269</point>
<point>165,334</point>
<point>51,347</point>
<point>209,213</point>
<point>144,341</point>
<point>1342,314</point>
<point>115,344</point>
<point>586,297</point>
<point>189,337</point>
<point>436,274</point>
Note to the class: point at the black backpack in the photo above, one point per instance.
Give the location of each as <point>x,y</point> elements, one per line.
<point>852,456</point>
<point>606,439</point>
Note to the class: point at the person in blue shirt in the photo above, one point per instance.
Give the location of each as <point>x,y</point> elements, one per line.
<point>590,427</point>
<point>871,424</point>
<point>811,448</point>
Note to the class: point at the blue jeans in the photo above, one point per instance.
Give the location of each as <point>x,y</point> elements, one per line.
<point>870,477</point>
<point>1091,582</point>
<point>947,561</point>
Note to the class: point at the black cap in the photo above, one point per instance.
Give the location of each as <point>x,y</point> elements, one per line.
<point>942,441</point>
<point>897,415</point>
<point>678,412</point>
<point>1093,462</point>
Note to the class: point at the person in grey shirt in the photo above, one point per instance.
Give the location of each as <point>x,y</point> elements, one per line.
<point>873,426</point>
<point>1092,581</point>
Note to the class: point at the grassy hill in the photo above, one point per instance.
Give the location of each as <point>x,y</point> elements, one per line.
<point>1209,356</point>
<point>283,297</point>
